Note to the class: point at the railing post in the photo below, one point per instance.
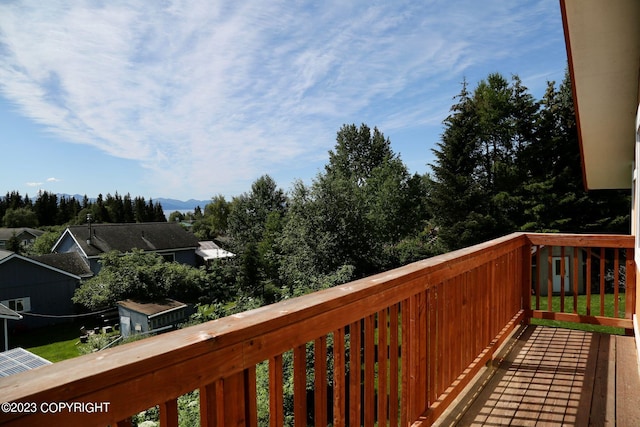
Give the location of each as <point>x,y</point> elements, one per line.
<point>526,281</point>
<point>230,401</point>
<point>169,413</point>
<point>630,288</point>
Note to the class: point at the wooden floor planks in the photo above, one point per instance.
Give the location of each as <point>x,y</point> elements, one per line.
<point>554,376</point>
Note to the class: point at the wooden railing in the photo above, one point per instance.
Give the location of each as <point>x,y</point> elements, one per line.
<point>391,349</point>
<point>584,279</point>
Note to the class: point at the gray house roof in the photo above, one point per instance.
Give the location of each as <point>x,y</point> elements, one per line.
<point>5,254</point>
<point>6,233</point>
<point>70,262</point>
<point>150,236</point>
<point>152,309</point>
<point>14,256</point>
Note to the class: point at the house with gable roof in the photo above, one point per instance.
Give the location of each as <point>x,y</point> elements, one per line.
<point>40,289</point>
<point>91,241</point>
<point>25,235</point>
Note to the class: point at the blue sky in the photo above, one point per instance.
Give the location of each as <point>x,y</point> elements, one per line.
<point>190,99</point>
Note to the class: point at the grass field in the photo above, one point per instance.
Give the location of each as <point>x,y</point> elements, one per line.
<point>609,308</point>
<point>54,343</point>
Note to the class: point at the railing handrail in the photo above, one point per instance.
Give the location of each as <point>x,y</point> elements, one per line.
<point>582,240</point>
<point>77,378</point>
<point>183,360</point>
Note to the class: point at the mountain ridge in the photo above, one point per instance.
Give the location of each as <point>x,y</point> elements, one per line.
<point>168,204</point>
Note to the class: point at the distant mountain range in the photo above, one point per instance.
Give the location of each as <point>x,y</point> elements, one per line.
<point>168,205</point>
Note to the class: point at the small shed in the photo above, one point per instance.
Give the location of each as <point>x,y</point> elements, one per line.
<point>573,263</point>
<point>138,317</point>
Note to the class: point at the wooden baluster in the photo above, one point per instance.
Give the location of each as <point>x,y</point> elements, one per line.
<point>538,278</point>
<point>602,266</point>
<point>300,385</point>
<point>339,388</point>
<point>563,269</point>
<point>630,291</point>
<point>432,346</point>
<point>230,401</point>
<point>575,279</point>
<point>616,282</point>
<point>169,413</point>
<point>550,278</point>
<point>276,409</point>
<point>407,361</point>
<point>630,284</point>
<point>320,382</point>
<point>369,370</point>
<point>588,281</point>
<point>394,365</point>
<point>382,366</point>
<point>355,369</point>
<point>212,405</point>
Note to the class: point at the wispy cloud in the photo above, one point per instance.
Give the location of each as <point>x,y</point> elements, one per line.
<point>214,92</point>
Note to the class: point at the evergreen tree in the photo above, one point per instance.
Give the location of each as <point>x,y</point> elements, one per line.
<point>455,193</point>
<point>555,193</point>
<point>476,186</point>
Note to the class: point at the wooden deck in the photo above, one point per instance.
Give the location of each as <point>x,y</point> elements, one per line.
<point>550,376</point>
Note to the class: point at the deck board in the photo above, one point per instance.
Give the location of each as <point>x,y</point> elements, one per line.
<point>554,376</point>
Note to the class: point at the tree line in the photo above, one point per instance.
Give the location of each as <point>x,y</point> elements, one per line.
<point>505,162</point>
<point>49,209</point>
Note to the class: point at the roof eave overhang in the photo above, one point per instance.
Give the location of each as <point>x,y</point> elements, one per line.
<point>603,48</point>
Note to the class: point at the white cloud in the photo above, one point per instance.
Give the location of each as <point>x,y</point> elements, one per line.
<point>52,179</point>
<point>204,90</point>
<point>34,184</point>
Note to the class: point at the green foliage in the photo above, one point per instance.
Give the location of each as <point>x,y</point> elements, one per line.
<point>20,217</point>
<point>213,222</point>
<point>364,202</point>
<point>14,244</point>
<point>145,276</point>
<point>43,243</point>
<point>96,342</point>
<point>506,162</point>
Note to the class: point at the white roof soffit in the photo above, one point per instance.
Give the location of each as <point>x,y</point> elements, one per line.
<point>603,46</point>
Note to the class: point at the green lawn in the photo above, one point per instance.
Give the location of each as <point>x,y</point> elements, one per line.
<point>609,308</point>
<point>54,343</point>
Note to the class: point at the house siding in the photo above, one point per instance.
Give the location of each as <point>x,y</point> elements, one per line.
<point>50,291</point>
<point>542,271</point>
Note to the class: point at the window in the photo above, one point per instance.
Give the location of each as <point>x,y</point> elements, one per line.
<point>18,304</point>
<point>169,257</point>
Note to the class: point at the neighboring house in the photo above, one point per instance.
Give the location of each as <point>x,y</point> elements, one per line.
<point>38,291</point>
<point>169,240</point>
<point>26,236</point>
<point>144,317</point>
<point>209,251</point>
<point>603,47</point>
<point>573,269</point>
